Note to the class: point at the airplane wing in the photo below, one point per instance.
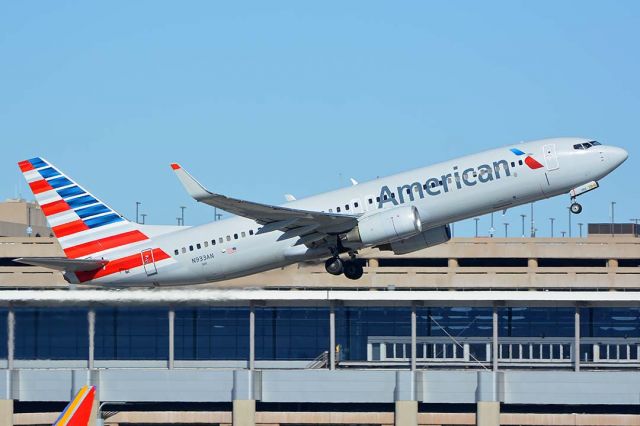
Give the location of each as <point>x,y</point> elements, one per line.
<point>63,263</point>
<point>282,218</point>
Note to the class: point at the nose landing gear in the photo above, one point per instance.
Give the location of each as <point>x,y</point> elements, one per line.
<point>576,208</point>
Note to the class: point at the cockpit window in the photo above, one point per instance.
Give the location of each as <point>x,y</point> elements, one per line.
<point>586,145</point>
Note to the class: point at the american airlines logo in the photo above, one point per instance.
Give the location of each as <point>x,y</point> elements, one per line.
<point>468,177</point>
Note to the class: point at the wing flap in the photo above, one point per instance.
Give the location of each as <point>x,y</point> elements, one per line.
<point>63,263</point>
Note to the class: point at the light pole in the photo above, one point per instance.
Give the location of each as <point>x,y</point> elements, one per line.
<point>613,218</point>
<point>477,219</point>
<point>523,216</point>
<point>492,230</point>
<point>533,224</point>
<point>182,214</point>
<point>580,226</point>
<point>138,203</point>
<point>143,216</point>
<point>178,219</point>
<point>506,229</point>
<point>551,219</point>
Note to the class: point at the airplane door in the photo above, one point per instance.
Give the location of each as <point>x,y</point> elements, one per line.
<point>148,262</point>
<point>550,157</point>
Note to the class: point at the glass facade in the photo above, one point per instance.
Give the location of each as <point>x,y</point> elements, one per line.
<point>50,333</point>
<point>291,333</point>
<point>286,333</point>
<point>131,333</point>
<point>212,333</point>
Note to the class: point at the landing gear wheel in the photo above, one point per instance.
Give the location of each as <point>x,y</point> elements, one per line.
<point>576,208</point>
<point>334,266</point>
<point>353,270</point>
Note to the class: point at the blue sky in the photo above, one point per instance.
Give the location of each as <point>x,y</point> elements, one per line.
<point>259,99</point>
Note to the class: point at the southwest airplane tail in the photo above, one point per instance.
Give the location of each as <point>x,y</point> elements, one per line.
<point>78,411</point>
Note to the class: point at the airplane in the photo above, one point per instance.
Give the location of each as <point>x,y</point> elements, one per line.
<point>78,411</point>
<point>401,213</point>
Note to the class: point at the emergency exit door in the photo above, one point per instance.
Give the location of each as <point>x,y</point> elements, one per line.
<point>148,262</point>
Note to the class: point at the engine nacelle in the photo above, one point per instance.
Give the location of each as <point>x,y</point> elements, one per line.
<point>386,226</point>
<point>429,238</point>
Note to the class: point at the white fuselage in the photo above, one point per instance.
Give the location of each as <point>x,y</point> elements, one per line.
<point>442,193</point>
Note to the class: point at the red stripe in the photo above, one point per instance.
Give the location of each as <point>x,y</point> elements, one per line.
<point>55,207</point>
<point>25,166</point>
<point>113,241</point>
<point>40,186</point>
<point>120,265</point>
<point>69,228</point>
<point>533,163</point>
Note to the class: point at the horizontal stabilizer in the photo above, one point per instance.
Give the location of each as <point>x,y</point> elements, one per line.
<point>63,263</point>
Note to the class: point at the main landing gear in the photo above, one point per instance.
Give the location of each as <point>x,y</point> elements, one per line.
<point>350,268</point>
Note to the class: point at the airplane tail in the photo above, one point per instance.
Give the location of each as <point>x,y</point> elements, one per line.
<point>84,226</point>
<point>78,411</point>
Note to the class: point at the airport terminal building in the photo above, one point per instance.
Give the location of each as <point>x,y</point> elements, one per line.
<point>477,331</point>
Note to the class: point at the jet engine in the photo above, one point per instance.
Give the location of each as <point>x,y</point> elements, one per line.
<point>386,226</point>
<point>429,238</point>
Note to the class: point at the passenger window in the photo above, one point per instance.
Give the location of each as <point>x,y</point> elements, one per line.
<point>520,162</point>
<point>338,209</point>
<point>370,201</point>
<point>378,199</point>
<point>385,197</point>
<point>184,250</point>
<point>190,248</point>
<point>228,237</point>
<point>433,184</point>
<point>198,246</point>
<point>513,164</point>
<point>250,231</point>
<point>213,242</point>
<point>424,186</point>
<point>220,240</point>
<point>408,191</point>
<point>206,243</point>
<point>235,236</point>
<point>393,195</point>
<point>330,210</point>
<point>346,206</point>
<point>355,205</point>
<point>440,182</point>
<point>243,234</point>
<point>176,252</point>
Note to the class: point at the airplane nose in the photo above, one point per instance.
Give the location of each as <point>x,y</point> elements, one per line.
<point>617,155</point>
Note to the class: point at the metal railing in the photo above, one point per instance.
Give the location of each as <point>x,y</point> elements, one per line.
<point>512,351</point>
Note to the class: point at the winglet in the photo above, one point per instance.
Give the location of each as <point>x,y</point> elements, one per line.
<point>192,186</point>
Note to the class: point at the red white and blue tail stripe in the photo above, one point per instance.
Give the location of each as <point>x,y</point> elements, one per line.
<point>85,226</point>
